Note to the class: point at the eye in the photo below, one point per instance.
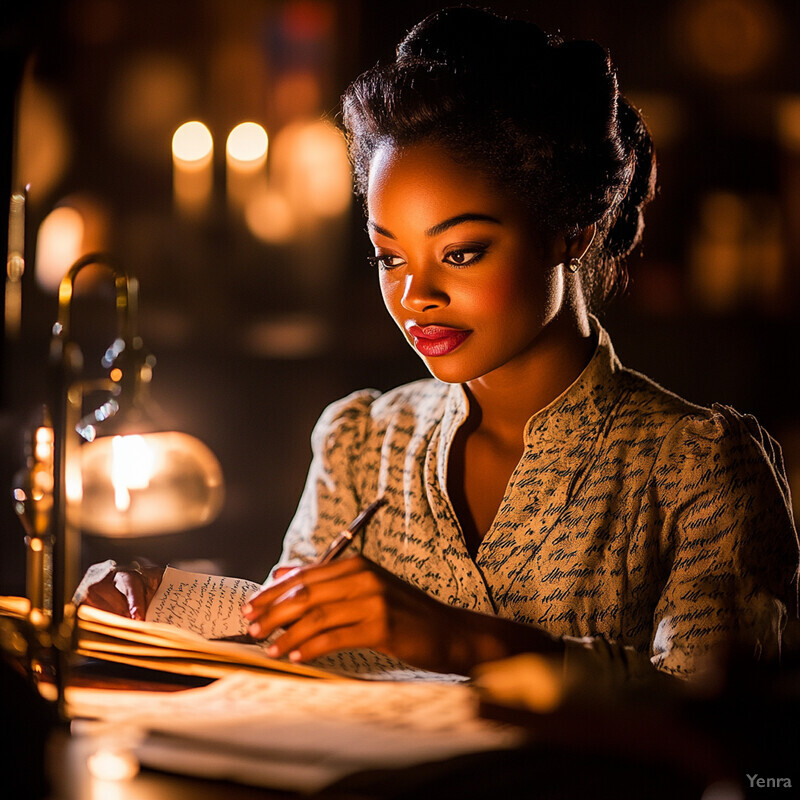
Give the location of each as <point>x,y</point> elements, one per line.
<point>464,256</point>
<point>386,261</point>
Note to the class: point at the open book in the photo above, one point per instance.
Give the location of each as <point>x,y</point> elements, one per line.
<point>187,616</point>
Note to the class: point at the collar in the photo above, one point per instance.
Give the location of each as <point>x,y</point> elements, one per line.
<point>587,397</point>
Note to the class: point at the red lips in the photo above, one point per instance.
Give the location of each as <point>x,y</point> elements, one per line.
<point>437,340</point>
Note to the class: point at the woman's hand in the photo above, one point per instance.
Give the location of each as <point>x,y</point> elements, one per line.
<point>124,590</point>
<point>353,603</point>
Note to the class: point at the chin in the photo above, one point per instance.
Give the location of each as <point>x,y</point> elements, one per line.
<point>450,373</point>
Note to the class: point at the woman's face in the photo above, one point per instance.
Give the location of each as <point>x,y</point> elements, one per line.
<point>463,272</point>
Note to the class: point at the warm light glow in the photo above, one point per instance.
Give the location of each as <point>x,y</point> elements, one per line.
<point>43,449</point>
<point>529,680</point>
<point>43,138</point>
<point>192,143</point>
<point>113,765</point>
<point>288,336</point>
<point>131,468</point>
<point>58,245</point>
<point>146,484</point>
<point>789,122</point>
<point>728,38</point>
<point>269,217</point>
<point>115,374</point>
<point>246,157</point>
<point>738,255</point>
<point>311,166</point>
<point>247,146</point>
<point>193,166</point>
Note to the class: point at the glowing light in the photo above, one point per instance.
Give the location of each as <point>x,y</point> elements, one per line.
<point>113,765</point>
<point>270,218</point>
<point>132,467</point>
<point>246,157</point>
<point>247,144</point>
<point>192,142</point>
<point>44,444</point>
<point>58,245</point>
<point>150,484</point>
<point>193,168</point>
<point>311,166</point>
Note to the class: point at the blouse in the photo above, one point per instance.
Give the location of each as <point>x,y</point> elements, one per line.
<point>633,516</point>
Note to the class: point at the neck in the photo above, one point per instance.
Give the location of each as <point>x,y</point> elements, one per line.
<point>503,401</point>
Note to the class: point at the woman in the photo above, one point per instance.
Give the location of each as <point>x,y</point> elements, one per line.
<point>539,496</point>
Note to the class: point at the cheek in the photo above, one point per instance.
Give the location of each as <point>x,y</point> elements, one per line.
<point>501,294</point>
<point>528,294</point>
<point>392,293</point>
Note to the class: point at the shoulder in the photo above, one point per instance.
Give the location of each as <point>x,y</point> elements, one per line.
<point>695,427</point>
<point>717,441</point>
<point>369,409</point>
<point>715,448</point>
<point>683,423</point>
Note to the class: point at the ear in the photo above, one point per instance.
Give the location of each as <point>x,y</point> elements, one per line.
<point>578,245</point>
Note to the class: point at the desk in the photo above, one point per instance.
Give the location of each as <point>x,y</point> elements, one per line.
<point>572,755</point>
<point>70,780</point>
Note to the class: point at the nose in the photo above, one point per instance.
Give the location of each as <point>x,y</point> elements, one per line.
<point>421,292</point>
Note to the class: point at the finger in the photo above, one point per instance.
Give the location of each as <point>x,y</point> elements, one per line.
<point>282,576</point>
<point>351,623</point>
<point>104,596</point>
<point>307,575</point>
<point>132,587</point>
<point>301,598</point>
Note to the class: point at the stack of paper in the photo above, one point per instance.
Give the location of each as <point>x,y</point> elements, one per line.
<point>287,732</point>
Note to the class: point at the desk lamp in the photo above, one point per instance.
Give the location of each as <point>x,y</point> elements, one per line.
<point>112,472</point>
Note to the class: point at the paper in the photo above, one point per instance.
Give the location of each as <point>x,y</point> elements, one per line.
<point>157,645</point>
<point>209,605</point>
<point>190,610</point>
<point>297,734</point>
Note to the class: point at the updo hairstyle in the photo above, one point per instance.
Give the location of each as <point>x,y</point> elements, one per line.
<point>539,116</point>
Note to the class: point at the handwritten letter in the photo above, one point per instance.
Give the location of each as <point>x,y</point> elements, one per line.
<point>205,604</point>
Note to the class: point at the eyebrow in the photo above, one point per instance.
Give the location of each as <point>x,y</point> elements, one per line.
<point>440,227</point>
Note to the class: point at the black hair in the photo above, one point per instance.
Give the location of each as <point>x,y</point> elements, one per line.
<point>540,116</point>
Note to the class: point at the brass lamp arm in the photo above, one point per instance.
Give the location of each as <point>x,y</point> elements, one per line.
<point>126,294</point>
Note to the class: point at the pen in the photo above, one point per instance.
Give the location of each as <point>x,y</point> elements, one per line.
<point>339,543</point>
<point>344,537</point>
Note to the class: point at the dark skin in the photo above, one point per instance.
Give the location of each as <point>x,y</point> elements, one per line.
<point>529,339</point>
<point>455,252</point>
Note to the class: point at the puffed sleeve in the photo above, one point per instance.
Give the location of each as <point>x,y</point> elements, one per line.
<point>730,543</point>
<point>331,497</point>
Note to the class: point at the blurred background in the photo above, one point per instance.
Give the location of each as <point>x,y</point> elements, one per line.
<point>255,295</point>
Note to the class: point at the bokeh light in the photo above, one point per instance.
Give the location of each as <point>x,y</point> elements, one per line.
<point>58,245</point>
<point>192,143</point>
<point>247,145</point>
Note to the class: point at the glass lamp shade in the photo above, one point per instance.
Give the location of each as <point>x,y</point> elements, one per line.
<point>144,484</point>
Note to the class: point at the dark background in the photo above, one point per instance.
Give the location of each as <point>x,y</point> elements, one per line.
<point>711,312</point>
